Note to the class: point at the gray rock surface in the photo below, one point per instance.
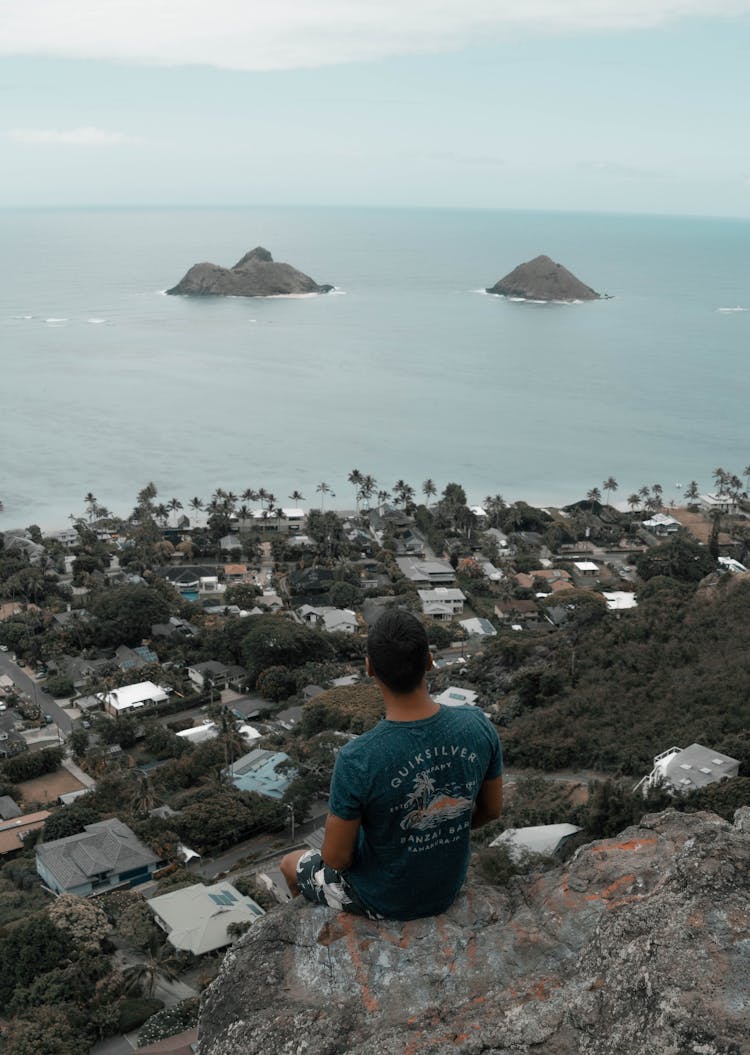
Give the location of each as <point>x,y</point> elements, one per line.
<point>255,275</point>
<point>543,279</point>
<point>640,945</point>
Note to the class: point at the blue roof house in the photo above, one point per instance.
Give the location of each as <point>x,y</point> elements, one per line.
<point>258,771</point>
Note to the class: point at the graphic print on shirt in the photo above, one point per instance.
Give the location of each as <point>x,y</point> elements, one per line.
<point>430,806</point>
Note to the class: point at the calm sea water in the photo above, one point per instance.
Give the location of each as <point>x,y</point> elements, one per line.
<point>408,371</point>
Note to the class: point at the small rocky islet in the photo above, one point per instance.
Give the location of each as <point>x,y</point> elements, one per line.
<point>257,274</point>
<point>543,279</point>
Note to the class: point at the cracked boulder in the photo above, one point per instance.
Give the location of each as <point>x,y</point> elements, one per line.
<point>639,945</point>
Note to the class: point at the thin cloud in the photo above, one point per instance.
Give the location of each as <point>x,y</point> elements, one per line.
<point>256,35</point>
<point>79,137</point>
<point>623,171</point>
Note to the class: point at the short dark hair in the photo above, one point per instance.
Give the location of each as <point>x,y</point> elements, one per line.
<point>398,650</point>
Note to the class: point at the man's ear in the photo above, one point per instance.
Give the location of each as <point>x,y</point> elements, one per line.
<point>430,662</point>
<point>368,667</point>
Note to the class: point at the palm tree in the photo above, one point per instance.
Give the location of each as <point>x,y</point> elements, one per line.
<point>691,491</point>
<point>657,490</point>
<point>323,489</point>
<point>383,497</point>
<point>367,489</point>
<point>143,798</point>
<point>159,963</point>
<point>90,501</point>
<point>174,504</point>
<point>429,490</point>
<point>404,492</point>
<point>634,501</point>
<point>721,477</point>
<point>610,485</point>
<point>355,478</point>
<point>745,473</point>
<point>196,504</point>
<point>296,496</point>
<point>594,495</point>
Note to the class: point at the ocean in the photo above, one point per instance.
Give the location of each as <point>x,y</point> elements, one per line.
<point>407,371</point>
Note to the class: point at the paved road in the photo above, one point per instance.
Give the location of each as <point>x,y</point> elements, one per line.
<point>25,681</point>
<point>259,845</point>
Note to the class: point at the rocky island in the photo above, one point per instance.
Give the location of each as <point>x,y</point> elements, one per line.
<point>543,279</point>
<point>257,274</point>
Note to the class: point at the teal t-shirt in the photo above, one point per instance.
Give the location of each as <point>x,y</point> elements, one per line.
<point>414,785</point>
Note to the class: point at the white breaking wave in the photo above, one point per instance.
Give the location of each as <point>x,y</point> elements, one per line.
<point>96,322</point>
<point>23,316</point>
<point>338,292</point>
<point>55,322</point>
<point>731,311</point>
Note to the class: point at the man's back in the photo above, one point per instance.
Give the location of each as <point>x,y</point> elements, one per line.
<point>414,784</point>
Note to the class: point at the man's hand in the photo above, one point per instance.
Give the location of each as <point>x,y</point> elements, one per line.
<point>339,842</point>
<point>489,803</point>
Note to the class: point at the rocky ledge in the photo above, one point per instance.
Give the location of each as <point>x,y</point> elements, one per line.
<point>640,944</point>
<point>543,279</point>
<point>257,274</point>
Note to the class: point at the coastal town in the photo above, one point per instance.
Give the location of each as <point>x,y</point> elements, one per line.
<point>175,685</point>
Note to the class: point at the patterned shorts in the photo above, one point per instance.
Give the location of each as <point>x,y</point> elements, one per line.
<point>323,885</point>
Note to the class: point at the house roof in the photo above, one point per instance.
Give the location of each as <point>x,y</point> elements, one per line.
<point>537,839</point>
<point>235,569</point>
<point>198,917</point>
<point>694,766</point>
<point>441,595</point>
<point>106,846</point>
<point>14,829</point>
<point>134,695</point>
<point>478,627</point>
<point>257,771</point>
<point>455,696</point>
<point>8,808</point>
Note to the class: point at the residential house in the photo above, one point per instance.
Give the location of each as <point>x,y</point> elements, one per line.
<point>9,809</point>
<point>236,573</point>
<point>478,627</point>
<point>259,771</point>
<point>310,581</point>
<point>553,579</point>
<point>175,628</point>
<point>512,611</point>
<point>209,584</point>
<point>217,674</point>
<point>442,603</point>
<point>229,542</point>
<point>11,742</point>
<point>585,573</point>
<point>455,696</point>
<point>619,600</point>
<point>679,770</point>
<point>339,620</point>
<point>197,918</point>
<point>279,522</point>
<point>547,839</point>
<point>106,854</point>
<point>134,658</point>
<point>501,539</point>
<point>662,524</point>
<point>13,830</point>
<point>733,566</point>
<point>200,734</point>
<point>429,572</point>
<point>132,697</point>
<point>718,502</point>
<point>489,570</point>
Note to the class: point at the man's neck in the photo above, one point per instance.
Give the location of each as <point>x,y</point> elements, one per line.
<point>410,707</point>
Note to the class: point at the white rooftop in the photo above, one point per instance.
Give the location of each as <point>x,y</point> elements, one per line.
<point>619,600</point>
<point>537,839</point>
<point>585,565</point>
<point>197,918</point>
<point>134,695</point>
<point>454,696</point>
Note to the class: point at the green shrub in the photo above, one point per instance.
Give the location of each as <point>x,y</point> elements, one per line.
<point>170,1021</point>
<point>136,1010</point>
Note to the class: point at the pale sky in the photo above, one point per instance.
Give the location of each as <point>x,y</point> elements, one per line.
<point>605,105</point>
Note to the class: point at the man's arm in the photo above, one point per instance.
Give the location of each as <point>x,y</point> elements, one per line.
<point>489,802</point>
<point>339,841</point>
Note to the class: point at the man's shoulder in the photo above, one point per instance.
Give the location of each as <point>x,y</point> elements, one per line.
<point>362,745</point>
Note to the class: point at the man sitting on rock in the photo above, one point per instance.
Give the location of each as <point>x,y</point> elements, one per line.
<point>405,795</point>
